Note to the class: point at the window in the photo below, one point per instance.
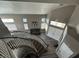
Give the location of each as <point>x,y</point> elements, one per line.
<point>9,23</point>
<point>7,20</point>
<point>24,20</point>
<point>26,26</point>
<point>44,24</point>
<point>58,24</point>
<point>47,21</point>
<point>46,27</point>
<point>25,23</point>
<point>43,19</point>
<point>11,27</point>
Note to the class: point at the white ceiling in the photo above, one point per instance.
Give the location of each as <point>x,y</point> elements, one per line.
<point>50,1</point>
<point>12,7</point>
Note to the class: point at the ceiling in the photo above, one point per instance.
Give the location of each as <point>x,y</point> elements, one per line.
<point>13,7</point>
<point>49,1</point>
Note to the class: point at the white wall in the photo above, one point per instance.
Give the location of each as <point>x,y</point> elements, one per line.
<point>19,19</point>
<point>74,20</point>
<point>62,14</point>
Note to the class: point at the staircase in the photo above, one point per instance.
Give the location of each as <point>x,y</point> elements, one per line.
<point>5,51</point>
<point>39,47</point>
<point>17,42</point>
